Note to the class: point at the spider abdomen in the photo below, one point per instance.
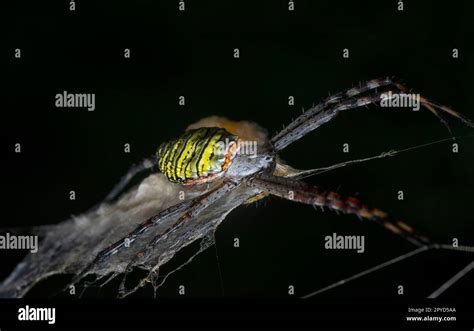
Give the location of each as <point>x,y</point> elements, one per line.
<point>197,156</point>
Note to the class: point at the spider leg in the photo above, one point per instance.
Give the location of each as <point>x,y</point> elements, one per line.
<point>326,113</point>
<point>190,208</point>
<point>330,100</point>
<point>349,99</point>
<point>114,248</point>
<point>295,190</point>
<point>194,210</point>
<point>145,164</point>
<point>140,229</point>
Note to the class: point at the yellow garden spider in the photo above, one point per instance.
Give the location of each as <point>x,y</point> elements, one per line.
<point>204,174</point>
<point>211,155</point>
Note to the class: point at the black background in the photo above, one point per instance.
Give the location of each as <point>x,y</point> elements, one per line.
<point>282,53</point>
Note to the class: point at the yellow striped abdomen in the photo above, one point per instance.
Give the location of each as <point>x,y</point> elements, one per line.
<point>197,156</point>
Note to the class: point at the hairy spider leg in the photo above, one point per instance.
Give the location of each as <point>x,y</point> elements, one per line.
<point>140,229</point>
<point>351,98</point>
<point>295,190</point>
<point>194,210</point>
<point>278,139</point>
<point>193,207</point>
<point>114,248</point>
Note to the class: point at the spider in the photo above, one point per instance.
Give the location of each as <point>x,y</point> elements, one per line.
<point>211,155</point>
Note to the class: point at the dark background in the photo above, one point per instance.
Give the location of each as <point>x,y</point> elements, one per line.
<point>282,53</point>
